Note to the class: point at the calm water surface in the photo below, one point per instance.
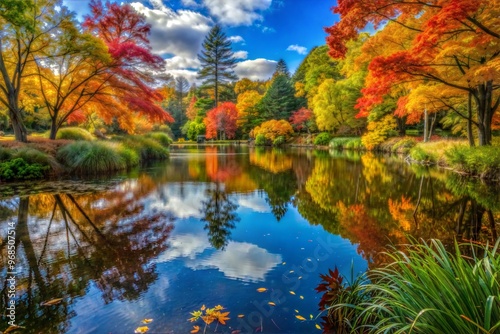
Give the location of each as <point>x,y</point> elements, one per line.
<point>212,225</point>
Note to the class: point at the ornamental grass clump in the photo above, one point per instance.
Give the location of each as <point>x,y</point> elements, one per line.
<point>424,289</point>
<point>74,133</point>
<point>91,157</point>
<point>146,148</point>
<point>429,290</point>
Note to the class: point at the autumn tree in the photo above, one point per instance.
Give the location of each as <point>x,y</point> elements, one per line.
<point>456,45</point>
<point>192,111</point>
<point>221,121</point>
<point>217,61</point>
<point>131,78</point>
<point>302,119</point>
<point>27,27</point>
<point>273,129</point>
<point>247,111</point>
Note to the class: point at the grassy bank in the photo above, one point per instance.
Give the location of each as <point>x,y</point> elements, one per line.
<point>423,289</point>
<point>79,155</point>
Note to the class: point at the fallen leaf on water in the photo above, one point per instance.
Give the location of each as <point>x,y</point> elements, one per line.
<point>311,316</point>
<point>142,329</point>
<point>196,329</point>
<point>301,297</point>
<point>272,304</point>
<point>292,271</point>
<point>13,328</point>
<point>301,318</point>
<point>318,327</point>
<point>296,311</point>
<point>309,260</point>
<point>147,321</point>
<point>292,293</point>
<point>203,307</point>
<point>52,302</point>
<point>283,263</point>
<point>241,315</point>
<point>236,332</point>
<point>300,277</point>
<point>261,290</point>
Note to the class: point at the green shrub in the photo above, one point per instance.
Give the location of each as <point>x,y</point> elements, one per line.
<point>19,169</point>
<point>146,148</point>
<point>5,154</point>
<point>279,141</point>
<point>260,140</point>
<point>484,160</point>
<point>160,137</point>
<point>426,289</point>
<point>129,156</point>
<point>339,142</point>
<point>418,153</point>
<point>322,139</point>
<point>32,156</point>
<point>91,157</point>
<point>349,143</point>
<point>74,133</point>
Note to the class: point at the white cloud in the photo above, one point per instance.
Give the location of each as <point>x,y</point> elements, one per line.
<point>189,205</point>
<point>256,69</point>
<point>240,260</point>
<point>190,3</point>
<point>178,34</point>
<point>236,39</point>
<point>301,50</point>
<point>240,54</point>
<point>185,246</point>
<point>257,204</point>
<point>237,12</point>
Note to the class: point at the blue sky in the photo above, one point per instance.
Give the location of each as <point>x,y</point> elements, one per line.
<point>263,31</point>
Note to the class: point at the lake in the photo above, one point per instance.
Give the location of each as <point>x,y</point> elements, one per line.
<point>250,229</point>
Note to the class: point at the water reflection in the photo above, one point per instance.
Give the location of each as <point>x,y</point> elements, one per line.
<point>241,217</point>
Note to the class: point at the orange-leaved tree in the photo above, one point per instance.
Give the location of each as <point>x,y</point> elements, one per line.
<point>456,45</point>
<point>221,121</point>
<point>273,129</point>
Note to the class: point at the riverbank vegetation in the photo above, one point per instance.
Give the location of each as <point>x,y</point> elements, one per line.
<point>42,157</point>
<point>424,288</point>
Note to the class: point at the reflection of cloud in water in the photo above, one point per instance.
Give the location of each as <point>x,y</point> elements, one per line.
<point>254,202</point>
<point>240,260</point>
<point>183,201</point>
<point>185,246</point>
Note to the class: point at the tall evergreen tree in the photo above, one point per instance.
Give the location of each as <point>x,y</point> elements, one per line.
<point>181,88</point>
<point>281,69</point>
<point>217,61</point>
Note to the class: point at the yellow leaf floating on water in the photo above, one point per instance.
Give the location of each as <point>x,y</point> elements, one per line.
<point>318,326</point>
<point>203,307</point>
<point>196,329</point>
<point>301,297</point>
<point>292,293</point>
<point>147,321</point>
<point>272,304</point>
<point>261,290</point>
<point>142,329</point>
<point>241,315</point>
<point>296,311</point>
<point>283,263</point>
<point>311,316</point>
<point>52,302</point>
<point>301,318</point>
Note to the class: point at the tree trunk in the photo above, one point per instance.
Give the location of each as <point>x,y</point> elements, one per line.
<point>426,125</point>
<point>20,132</point>
<point>470,135</point>
<point>53,128</point>
<point>483,95</point>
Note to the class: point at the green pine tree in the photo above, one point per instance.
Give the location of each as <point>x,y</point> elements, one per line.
<point>217,61</point>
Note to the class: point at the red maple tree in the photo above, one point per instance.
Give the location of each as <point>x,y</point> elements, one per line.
<point>221,121</point>
<point>131,73</point>
<point>300,118</point>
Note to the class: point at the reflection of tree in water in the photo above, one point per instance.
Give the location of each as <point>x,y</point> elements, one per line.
<point>76,240</point>
<point>219,215</point>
